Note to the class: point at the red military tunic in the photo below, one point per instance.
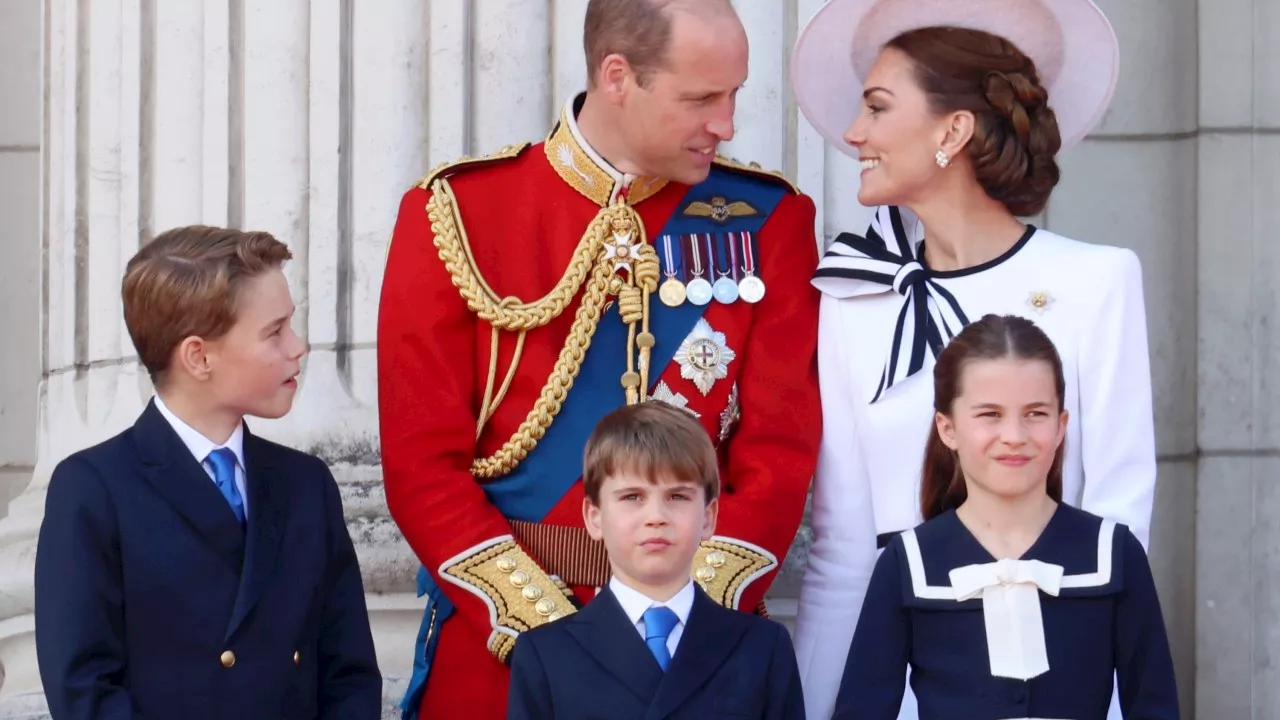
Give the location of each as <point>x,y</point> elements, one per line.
<point>520,216</point>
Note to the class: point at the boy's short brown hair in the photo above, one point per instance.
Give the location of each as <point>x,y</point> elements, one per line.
<point>187,281</point>
<point>651,439</point>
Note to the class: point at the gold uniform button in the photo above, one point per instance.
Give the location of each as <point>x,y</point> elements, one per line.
<point>297,659</point>
<point>228,658</point>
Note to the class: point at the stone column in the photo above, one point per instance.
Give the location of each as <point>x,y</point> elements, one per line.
<point>1237,620</point>
<point>305,119</point>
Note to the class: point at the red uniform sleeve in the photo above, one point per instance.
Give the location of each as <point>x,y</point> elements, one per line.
<point>772,453</point>
<point>427,418</point>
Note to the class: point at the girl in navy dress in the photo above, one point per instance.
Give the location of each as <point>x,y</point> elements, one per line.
<point>1006,602</point>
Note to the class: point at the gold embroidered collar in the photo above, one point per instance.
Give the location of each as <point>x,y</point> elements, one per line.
<point>582,167</point>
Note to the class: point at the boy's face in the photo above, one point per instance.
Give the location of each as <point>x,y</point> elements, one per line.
<point>651,530</point>
<point>255,365</point>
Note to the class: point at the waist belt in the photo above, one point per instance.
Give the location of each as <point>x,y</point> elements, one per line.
<point>566,552</point>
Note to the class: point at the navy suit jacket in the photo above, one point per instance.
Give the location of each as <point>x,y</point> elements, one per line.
<point>594,664</point>
<point>152,602</point>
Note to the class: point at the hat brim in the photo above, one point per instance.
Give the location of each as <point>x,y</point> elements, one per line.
<point>1071,42</point>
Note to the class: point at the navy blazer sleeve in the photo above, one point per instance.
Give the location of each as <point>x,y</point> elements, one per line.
<point>79,599</point>
<point>350,684</point>
<point>1144,663</point>
<point>786,697</point>
<point>875,674</point>
<point>529,693</point>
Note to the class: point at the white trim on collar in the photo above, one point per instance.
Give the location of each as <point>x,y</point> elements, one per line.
<point>620,179</point>
<point>923,590</point>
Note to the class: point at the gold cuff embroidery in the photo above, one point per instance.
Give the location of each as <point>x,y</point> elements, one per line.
<point>500,645</point>
<point>724,567</point>
<point>520,594</point>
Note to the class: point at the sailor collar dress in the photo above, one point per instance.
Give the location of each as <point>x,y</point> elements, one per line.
<point>1041,636</point>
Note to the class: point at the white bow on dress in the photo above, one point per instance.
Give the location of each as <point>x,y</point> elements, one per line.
<point>1010,591</point>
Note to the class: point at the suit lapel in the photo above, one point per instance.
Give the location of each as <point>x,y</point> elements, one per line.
<point>605,631</point>
<point>710,636</point>
<point>266,510</point>
<point>179,478</point>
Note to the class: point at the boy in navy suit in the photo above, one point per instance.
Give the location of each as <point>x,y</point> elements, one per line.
<point>652,644</point>
<point>187,568</point>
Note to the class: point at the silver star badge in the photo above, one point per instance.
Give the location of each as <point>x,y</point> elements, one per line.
<point>704,357</point>
<point>663,393</point>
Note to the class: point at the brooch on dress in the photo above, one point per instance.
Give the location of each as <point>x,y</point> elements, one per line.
<point>1039,301</point>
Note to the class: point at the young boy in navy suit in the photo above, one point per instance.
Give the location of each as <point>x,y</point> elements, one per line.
<point>652,644</point>
<point>187,568</point>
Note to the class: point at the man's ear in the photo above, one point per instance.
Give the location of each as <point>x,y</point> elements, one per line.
<point>615,78</point>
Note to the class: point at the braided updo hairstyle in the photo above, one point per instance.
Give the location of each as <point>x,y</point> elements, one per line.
<point>1015,134</point>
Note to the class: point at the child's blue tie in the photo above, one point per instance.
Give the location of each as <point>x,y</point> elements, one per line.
<point>658,624</point>
<point>223,461</point>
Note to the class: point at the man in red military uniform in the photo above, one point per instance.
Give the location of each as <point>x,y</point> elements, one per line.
<point>529,292</point>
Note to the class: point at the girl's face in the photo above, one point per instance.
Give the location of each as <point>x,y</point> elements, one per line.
<point>1005,426</point>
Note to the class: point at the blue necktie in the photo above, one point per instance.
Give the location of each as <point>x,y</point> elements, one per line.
<point>658,624</point>
<point>223,461</point>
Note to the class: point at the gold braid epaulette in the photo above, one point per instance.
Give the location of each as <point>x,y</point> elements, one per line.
<point>758,171</point>
<point>447,168</point>
<point>511,314</point>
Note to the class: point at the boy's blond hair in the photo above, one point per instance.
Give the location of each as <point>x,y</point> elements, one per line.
<point>652,439</point>
<point>188,281</point>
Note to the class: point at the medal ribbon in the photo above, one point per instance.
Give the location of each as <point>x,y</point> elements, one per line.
<point>723,265</point>
<point>671,251</point>
<point>748,254</point>
<point>733,254</point>
<point>695,256</point>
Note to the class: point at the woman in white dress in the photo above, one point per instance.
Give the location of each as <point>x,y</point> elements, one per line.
<point>956,110</point>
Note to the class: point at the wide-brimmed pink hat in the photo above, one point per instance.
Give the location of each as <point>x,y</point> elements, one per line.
<point>1071,43</point>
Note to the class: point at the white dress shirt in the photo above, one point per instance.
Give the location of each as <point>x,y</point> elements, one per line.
<point>635,603</point>
<point>200,446</point>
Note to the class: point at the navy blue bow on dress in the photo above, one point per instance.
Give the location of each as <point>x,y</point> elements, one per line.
<point>887,260</point>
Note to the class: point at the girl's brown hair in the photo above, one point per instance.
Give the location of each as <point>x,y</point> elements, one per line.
<point>994,337</point>
<point>1015,134</point>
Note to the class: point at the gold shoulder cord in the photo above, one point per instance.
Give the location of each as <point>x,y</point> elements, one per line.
<point>594,262</point>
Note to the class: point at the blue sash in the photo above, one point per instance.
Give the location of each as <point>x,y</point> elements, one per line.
<point>540,481</point>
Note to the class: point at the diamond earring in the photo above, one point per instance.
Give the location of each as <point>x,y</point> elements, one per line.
<point>942,159</point>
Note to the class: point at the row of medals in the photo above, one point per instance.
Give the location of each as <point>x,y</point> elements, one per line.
<point>701,291</point>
